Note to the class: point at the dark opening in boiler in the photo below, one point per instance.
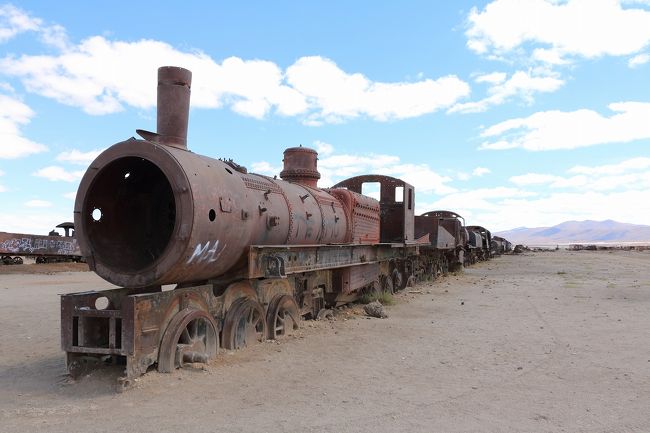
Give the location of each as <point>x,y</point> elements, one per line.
<point>138,213</point>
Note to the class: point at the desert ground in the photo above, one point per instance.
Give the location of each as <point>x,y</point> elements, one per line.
<point>540,342</point>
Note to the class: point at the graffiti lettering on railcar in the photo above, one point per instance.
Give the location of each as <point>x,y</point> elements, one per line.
<point>30,246</point>
<point>203,253</point>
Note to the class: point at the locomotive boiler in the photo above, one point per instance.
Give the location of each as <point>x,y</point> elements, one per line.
<point>150,212</point>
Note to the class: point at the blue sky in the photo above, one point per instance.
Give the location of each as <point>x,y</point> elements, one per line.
<point>511,112</point>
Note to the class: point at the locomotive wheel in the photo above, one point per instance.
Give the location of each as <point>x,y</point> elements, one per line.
<point>244,324</point>
<point>437,269</point>
<point>191,336</point>
<point>445,266</point>
<point>399,282</point>
<point>18,260</point>
<point>387,284</point>
<point>282,317</point>
<point>429,272</point>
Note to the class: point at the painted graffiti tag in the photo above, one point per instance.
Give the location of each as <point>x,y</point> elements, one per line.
<point>206,253</point>
<point>38,246</point>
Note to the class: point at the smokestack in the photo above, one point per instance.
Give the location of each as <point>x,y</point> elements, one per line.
<point>174,85</point>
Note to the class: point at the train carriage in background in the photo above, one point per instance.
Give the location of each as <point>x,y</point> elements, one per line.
<point>479,243</point>
<point>447,238</point>
<point>500,245</point>
<point>44,249</point>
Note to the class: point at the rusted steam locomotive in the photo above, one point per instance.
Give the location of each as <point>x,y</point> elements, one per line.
<point>249,255</point>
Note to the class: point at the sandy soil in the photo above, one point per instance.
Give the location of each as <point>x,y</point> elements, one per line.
<point>43,268</point>
<point>543,342</point>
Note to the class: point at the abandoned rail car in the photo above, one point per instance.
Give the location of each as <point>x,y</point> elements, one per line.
<point>479,243</point>
<point>45,249</point>
<point>247,255</point>
<point>500,245</point>
<point>447,238</point>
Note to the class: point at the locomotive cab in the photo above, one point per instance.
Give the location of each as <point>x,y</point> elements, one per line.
<point>396,203</point>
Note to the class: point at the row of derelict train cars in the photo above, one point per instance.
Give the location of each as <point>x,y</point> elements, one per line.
<point>207,256</point>
<point>53,248</point>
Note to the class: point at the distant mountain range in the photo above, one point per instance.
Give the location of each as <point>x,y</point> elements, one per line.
<point>607,231</point>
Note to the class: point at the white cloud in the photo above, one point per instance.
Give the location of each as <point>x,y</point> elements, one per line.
<point>55,36</point>
<point>70,195</point>
<point>38,203</point>
<point>521,209</point>
<point>266,168</point>
<point>14,21</point>
<point>13,114</point>
<point>75,156</point>
<point>639,163</point>
<point>55,173</point>
<point>629,206</point>
<point>638,60</point>
<point>602,178</point>
<point>421,176</point>
<point>102,76</point>
<point>323,148</point>
<point>521,84</point>
<point>630,174</point>
<point>33,221</point>
<point>335,95</point>
<point>474,202</point>
<point>492,78</point>
<point>552,130</point>
<point>564,29</point>
<point>533,179</point>
<point>477,172</point>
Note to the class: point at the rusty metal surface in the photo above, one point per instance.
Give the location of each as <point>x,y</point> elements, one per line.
<point>352,278</point>
<point>396,217</point>
<point>173,108</point>
<point>501,245</point>
<point>486,236</point>
<point>475,240</point>
<point>300,166</point>
<point>439,236</point>
<point>444,228</point>
<point>278,261</point>
<point>362,214</point>
<point>171,216</point>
